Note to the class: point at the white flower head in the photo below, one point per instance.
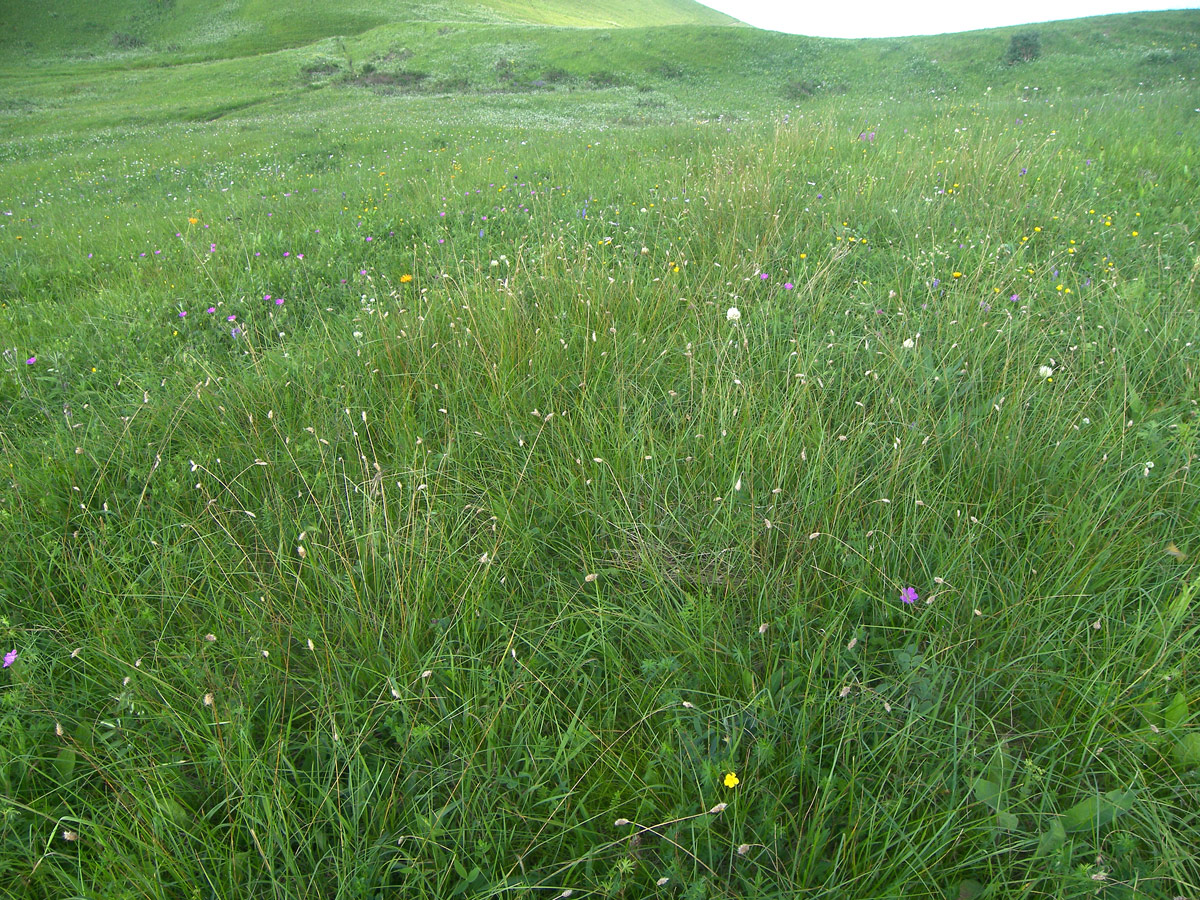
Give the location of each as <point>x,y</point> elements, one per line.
<point>909,343</point>
<point>733,314</point>
<point>1045,372</point>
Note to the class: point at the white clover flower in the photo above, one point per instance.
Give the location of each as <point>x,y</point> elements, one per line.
<point>909,343</point>
<point>733,314</point>
<point>1045,372</point>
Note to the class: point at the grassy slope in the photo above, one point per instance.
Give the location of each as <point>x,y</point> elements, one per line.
<point>884,750</point>
<point>166,28</point>
<point>682,71</point>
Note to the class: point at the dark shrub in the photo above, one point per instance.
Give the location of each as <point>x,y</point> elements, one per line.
<point>1025,46</point>
<point>506,69</point>
<point>801,88</point>
<point>604,79</point>
<point>123,40</point>
<point>399,80</point>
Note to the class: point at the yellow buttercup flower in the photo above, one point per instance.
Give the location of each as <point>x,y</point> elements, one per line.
<point>731,780</point>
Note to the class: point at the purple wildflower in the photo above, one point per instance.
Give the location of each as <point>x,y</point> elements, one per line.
<point>9,658</point>
<point>909,595</point>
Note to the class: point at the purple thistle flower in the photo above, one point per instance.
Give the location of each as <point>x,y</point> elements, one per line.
<point>909,595</point>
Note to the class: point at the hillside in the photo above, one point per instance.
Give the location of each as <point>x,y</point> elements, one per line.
<point>138,63</point>
<point>167,30</point>
<point>479,451</point>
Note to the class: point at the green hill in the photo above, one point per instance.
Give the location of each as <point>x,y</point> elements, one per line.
<point>138,62</point>
<point>516,451</point>
<point>189,28</point>
<point>142,61</point>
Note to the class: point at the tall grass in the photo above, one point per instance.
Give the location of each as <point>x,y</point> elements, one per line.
<point>420,520</point>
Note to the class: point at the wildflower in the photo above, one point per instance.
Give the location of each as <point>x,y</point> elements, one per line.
<point>1045,372</point>
<point>909,343</point>
<point>733,314</point>
<point>909,595</point>
<point>9,658</point>
<point>31,361</point>
<point>405,278</point>
<point>192,220</point>
<point>743,849</point>
<point>764,276</point>
<point>731,780</point>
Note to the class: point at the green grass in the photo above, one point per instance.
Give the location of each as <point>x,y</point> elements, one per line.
<point>474,566</point>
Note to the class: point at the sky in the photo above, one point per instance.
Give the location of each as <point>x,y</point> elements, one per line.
<point>898,18</point>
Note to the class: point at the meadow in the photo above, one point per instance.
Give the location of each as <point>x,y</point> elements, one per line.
<point>645,483</point>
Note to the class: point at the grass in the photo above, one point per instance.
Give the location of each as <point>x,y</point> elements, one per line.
<point>395,505</point>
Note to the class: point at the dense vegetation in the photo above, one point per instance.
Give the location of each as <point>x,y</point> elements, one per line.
<point>448,454</point>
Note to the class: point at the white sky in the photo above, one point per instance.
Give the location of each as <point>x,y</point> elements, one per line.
<point>897,18</point>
